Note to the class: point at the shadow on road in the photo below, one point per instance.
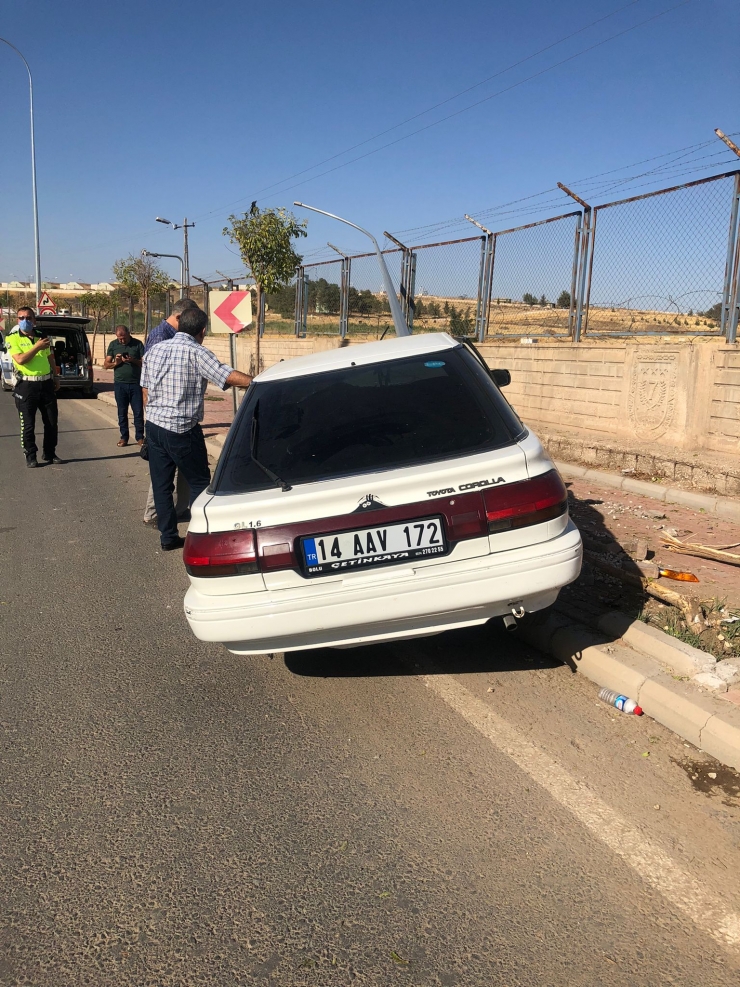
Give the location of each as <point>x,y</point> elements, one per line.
<point>472,649</point>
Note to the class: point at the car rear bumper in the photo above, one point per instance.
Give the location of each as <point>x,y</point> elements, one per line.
<point>491,586</point>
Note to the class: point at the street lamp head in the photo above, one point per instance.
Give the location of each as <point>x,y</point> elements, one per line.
<point>165,221</point>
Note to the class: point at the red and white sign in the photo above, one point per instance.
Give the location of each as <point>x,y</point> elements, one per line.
<point>45,305</point>
<point>231,311</point>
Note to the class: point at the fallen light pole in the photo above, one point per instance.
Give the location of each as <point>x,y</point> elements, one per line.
<point>399,322</point>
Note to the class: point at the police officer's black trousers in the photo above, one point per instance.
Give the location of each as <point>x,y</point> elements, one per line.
<point>30,397</point>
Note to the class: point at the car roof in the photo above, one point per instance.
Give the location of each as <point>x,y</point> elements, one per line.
<point>62,321</point>
<point>395,348</point>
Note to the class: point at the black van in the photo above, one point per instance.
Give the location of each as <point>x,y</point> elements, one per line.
<point>68,337</point>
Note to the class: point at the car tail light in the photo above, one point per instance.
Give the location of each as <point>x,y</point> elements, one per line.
<point>223,553</point>
<point>518,505</point>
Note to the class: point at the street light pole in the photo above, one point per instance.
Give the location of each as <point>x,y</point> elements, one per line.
<point>33,173</point>
<point>184,226</point>
<point>148,253</point>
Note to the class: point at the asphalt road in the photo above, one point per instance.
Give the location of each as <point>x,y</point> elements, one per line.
<point>172,814</point>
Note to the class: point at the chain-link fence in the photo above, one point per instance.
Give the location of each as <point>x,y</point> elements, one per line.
<point>447,286</point>
<point>659,261</point>
<point>534,278</point>
<point>662,263</point>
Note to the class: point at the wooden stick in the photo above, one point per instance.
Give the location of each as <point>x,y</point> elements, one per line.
<point>699,551</point>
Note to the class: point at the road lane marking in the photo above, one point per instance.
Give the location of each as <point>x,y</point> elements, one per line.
<point>648,859</point>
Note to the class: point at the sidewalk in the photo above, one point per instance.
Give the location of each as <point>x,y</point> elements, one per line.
<point>219,405</point>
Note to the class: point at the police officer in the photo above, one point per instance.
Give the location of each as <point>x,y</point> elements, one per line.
<point>36,385</point>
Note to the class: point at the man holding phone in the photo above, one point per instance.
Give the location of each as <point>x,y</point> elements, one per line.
<point>36,375</point>
<point>124,358</point>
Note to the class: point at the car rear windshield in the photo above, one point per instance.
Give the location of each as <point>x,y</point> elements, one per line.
<point>364,419</point>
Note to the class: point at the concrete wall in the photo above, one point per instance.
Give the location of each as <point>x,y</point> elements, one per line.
<point>674,396</point>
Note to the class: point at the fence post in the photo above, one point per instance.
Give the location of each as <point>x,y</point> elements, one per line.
<point>730,266</point>
<point>408,280</point>
<point>734,311</point>
<point>343,291</point>
<point>584,262</point>
<point>298,300</point>
<point>574,275</point>
<point>485,279</point>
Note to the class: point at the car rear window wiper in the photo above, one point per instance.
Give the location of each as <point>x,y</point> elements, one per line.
<point>253,452</point>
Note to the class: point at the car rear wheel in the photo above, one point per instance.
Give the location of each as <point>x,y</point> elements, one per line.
<point>88,392</point>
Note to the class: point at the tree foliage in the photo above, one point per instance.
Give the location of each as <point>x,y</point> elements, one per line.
<point>140,278</point>
<point>564,299</point>
<point>265,240</point>
<point>529,299</point>
<point>98,304</point>
<point>460,322</point>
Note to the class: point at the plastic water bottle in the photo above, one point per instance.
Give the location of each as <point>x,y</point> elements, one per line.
<point>622,703</point>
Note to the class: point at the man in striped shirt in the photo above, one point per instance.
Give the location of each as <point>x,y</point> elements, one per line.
<point>174,378</point>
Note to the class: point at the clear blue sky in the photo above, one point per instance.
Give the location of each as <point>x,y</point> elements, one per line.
<point>174,108</point>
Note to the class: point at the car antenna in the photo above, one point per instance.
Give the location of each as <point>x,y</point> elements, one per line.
<point>253,450</point>
<point>398,320</point>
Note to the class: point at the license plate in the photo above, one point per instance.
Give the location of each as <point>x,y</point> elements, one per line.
<point>366,548</point>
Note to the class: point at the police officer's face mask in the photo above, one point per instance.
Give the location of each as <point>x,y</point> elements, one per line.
<point>26,325</point>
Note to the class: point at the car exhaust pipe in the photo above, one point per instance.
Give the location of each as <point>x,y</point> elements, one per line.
<point>510,623</point>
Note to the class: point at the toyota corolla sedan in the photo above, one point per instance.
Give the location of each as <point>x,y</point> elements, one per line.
<point>371,493</point>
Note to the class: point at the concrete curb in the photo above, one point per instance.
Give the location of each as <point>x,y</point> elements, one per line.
<point>709,723</point>
<point>722,506</point>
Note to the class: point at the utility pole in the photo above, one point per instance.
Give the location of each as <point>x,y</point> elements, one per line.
<point>184,226</point>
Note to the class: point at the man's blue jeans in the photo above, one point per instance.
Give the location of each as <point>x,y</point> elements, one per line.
<point>129,394</point>
<point>169,451</point>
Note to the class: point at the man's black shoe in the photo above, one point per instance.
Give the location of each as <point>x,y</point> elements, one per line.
<point>31,462</point>
<point>171,546</point>
<point>53,459</point>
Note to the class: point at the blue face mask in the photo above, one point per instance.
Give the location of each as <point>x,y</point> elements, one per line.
<point>26,325</point>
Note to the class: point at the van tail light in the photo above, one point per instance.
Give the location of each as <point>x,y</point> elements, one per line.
<point>223,553</point>
<point>518,505</point>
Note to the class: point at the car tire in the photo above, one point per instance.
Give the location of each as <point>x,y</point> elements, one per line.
<point>88,392</point>
<point>6,387</point>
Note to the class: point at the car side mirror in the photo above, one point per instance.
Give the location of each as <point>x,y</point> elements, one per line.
<point>501,377</point>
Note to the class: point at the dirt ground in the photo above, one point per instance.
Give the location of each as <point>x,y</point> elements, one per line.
<point>611,521</point>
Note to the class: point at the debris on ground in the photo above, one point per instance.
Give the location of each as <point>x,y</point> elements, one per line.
<point>700,551</point>
<point>617,528</point>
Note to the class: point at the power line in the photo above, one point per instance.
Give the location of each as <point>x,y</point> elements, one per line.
<point>429,109</point>
<point>485,99</point>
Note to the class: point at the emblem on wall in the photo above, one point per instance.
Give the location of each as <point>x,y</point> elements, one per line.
<point>652,394</point>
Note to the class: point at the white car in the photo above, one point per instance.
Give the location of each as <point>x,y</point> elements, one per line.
<point>7,370</point>
<point>375,492</point>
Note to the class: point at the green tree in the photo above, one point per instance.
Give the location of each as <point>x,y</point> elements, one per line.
<point>98,304</point>
<point>529,299</point>
<point>283,301</point>
<point>714,313</point>
<point>564,299</point>
<point>141,278</point>
<point>543,300</point>
<point>265,240</point>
